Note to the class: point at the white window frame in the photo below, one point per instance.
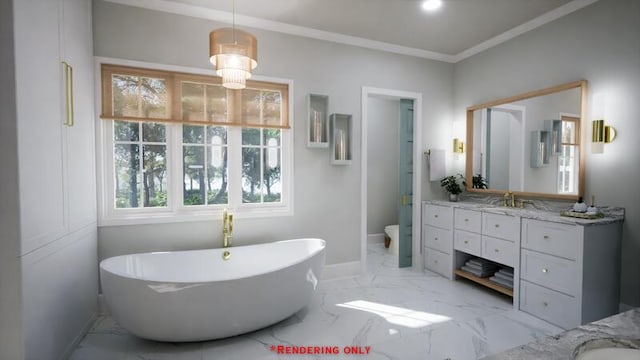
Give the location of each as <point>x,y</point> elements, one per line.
<point>176,211</point>
<point>574,168</point>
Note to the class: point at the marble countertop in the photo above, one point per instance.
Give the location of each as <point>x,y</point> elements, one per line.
<point>623,328</point>
<point>539,210</point>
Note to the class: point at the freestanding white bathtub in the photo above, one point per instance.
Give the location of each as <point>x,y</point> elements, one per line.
<point>197,295</point>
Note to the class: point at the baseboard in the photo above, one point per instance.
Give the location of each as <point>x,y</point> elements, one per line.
<point>375,238</point>
<point>72,347</point>
<point>341,270</point>
<point>624,307</point>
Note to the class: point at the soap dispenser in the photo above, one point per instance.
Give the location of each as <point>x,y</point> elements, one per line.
<point>580,206</point>
<point>592,209</point>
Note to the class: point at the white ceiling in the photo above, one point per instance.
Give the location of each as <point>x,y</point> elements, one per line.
<point>460,28</point>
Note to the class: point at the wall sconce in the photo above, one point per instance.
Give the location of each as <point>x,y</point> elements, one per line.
<point>601,134</point>
<point>458,146</point>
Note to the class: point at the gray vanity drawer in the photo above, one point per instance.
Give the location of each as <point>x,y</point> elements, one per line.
<point>550,271</point>
<point>467,220</point>
<point>501,226</point>
<point>438,216</point>
<point>549,305</point>
<point>498,250</point>
<point>439,239</point>
<point>468,242</point>
<point>438,262</point>
<point>551,238</point>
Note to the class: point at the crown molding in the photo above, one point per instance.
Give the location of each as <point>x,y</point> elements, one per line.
<point>258,23</point>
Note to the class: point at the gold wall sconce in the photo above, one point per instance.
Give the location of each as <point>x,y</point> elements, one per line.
<point>601,134</point>
<point>458,146</point>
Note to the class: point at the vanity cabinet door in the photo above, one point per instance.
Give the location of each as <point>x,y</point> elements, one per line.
<point>501,226</point>
<point>438,216</point>
<point>551,238</point>
<point>550,271</point>
<point>468,220</point>
<point>467,242</point>
<point>549,305</point>
<point>438,239</point>
<point>500,251</point>
<point>439,262</point>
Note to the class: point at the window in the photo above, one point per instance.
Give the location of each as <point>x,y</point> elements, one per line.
<point>177,144</point>
<point>568,157</point>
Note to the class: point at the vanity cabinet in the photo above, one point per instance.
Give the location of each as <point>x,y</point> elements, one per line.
<point>466,234</point>
<point>489,236</point>
<point>437,238</point>
<point>569,273</point>
<point>565,272</point>
<point>500,234</point>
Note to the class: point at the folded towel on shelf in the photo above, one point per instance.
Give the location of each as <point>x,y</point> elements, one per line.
<point>476,272</point>
<point>504,276</point>
<point>507,270</point>
<point>482,264</point>
<point>501,282</point>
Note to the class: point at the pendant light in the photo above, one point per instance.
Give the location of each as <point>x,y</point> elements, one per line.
<point>234,53</point>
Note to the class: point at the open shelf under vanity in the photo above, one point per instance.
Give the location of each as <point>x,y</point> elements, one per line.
<point>484,282</point>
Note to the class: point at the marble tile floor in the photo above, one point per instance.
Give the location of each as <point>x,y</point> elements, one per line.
<point>397,313</point>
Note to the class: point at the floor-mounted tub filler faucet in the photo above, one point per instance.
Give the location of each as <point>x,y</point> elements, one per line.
<point>227,232</point>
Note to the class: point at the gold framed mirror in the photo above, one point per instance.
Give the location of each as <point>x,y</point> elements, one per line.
<point>532,144</point>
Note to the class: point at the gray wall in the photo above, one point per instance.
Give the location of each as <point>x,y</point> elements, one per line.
<point>327,198</point>
<point>383,151</point>
<point>11,341</point>
<point>599,43</point>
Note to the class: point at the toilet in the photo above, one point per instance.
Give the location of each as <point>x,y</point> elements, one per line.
<point>393,232</point>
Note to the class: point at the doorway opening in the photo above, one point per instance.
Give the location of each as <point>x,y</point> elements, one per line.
<point>391,191</point>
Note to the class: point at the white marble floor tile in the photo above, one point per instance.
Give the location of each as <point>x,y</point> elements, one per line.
<point>398,313</point>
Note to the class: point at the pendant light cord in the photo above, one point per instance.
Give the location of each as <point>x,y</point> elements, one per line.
<point>233,20</point>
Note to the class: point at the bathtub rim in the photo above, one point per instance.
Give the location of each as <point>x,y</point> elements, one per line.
<point>158,281</point>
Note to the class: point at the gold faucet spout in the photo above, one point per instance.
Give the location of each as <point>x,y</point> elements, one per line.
<point>227,228</point>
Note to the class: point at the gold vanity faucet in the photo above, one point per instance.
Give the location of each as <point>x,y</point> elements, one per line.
<point>509,199</point>
<point>227,228</point>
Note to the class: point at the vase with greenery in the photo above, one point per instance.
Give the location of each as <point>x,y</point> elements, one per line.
<point>452,185</point>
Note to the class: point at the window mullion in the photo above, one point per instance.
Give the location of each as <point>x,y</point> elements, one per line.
<point>177,201</point>
<point>234,163</point>
<point>140,178</point>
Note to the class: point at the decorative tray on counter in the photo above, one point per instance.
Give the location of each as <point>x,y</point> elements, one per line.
<point>585,215</point>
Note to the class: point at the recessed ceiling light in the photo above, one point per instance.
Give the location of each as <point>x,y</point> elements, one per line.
<point>431,5</point>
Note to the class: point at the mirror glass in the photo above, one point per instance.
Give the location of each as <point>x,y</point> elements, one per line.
<point>529,144</point>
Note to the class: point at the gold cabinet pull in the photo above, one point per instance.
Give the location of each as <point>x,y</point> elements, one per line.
<point>404,200</point>
<point>545,237</point>
<point>466,241</point>
<point>73,115</point>
<point>68,78</point>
